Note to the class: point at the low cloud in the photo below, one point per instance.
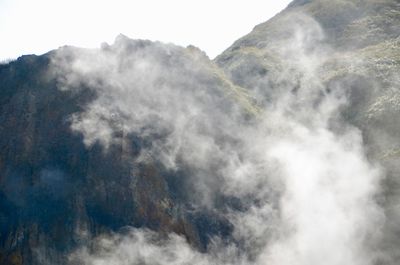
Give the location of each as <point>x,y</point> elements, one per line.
<point>309,192</point>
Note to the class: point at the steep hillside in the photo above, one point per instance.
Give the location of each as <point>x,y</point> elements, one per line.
<point>350,46</point>
<point>56,192</point>
<point>283,150</point>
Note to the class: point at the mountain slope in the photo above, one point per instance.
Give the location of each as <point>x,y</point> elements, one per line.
<point>360,43</point>
<point>362,39</point>
<point>57,193</point>
<point>288,139</point>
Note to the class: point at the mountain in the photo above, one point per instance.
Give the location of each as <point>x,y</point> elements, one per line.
<point>54,187</point>
<point>360,42</point>
<point>160,143</point>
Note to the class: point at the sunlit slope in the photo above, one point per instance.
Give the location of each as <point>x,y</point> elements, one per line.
<point>355,51</point>
<point>359,45</point>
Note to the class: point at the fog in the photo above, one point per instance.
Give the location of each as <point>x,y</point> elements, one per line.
<point>308,188</point>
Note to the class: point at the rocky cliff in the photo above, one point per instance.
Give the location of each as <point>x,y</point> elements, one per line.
<point>151,135</point>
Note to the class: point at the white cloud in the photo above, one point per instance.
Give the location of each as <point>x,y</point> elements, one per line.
<point>309,190</point>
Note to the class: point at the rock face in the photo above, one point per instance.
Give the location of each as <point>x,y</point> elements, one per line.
<point>65,180</point>
<point>362,40</point>
<point>56,192</point>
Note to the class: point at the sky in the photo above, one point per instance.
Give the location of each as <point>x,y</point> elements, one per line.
<point>35,27</point>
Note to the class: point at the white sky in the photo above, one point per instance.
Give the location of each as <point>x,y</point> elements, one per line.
<point>37,26</point>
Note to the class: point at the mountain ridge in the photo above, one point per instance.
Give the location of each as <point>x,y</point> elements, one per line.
<point>105,137</point>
